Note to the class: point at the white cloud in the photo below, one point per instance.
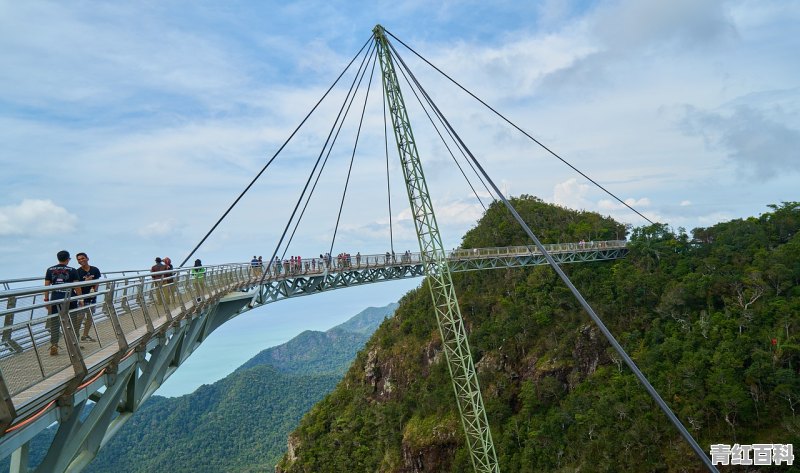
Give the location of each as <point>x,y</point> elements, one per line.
<point>36,218</point>
<point>158,229</point>
<point>686,203</point>
<point>572,194</point>
<point>178,112</point>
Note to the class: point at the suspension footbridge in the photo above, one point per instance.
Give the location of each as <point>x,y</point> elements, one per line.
<point>146,327</point>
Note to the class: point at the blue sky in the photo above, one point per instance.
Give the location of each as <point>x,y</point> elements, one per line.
<point>127,129</point>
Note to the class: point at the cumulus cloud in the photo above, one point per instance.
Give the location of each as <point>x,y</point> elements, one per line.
<point>35,217</point>
<point>577,195</point>
<point>572,194</point>
<point>158,229</point>
<point>608,204</point>
<point>758,145</point>
<point>450,212</point>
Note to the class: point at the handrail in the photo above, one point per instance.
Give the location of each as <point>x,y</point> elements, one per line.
<point>130,308</point>
<point>455,253</point>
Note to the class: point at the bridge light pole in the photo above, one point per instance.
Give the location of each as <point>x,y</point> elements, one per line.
<point>437,270</point>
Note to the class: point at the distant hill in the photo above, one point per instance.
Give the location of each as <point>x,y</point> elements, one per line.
<point>241,422</point>
<point>324,352</point>
<point>236,424</point>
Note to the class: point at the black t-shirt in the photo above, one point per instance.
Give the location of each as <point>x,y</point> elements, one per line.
<point>60,274</point>
<point>92,274</point>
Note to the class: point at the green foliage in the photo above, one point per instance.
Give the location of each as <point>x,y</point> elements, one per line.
<point>241,422</point>
<point>711,320</point>
<point>237,424</point>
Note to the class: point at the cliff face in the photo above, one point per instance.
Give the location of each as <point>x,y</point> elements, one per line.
<point>701,319</point>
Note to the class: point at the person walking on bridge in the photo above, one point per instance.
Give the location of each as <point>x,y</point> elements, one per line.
<point>169,281</point>
<point>254,266</point>
<point>198,279</point>
<point>158,279</point>
<point>55,275</point>
<point>86,272</point>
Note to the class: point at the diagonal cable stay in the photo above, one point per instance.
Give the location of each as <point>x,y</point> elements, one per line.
<point>316,164</point>
<point>349,100</point>
<point>353,156</point>
<point>247,188</point>
<point>560,272</point>
<point>503,117</point>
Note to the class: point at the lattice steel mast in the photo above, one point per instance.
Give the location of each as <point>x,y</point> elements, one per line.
<point>437,270</point>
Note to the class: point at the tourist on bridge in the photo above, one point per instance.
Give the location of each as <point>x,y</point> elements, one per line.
<point>198,279</point>
<point>254,266</point>
<point>55,275</point>
<point>86,272</point>
<point>168,281</point>
<point>158,279</point>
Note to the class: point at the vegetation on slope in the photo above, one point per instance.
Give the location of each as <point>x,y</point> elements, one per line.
<point>712,321</point>
<point>240,423</point>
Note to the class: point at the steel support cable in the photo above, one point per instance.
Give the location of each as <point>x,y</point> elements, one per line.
<point>469,183</point>
<point>355,147</point>
<point>520,129</point>
<point>360,75</point>
<point>316,164</point>
<point>214,227</point>
<point>477,174</point>
<point>606,332</point>
<point>388,187</point>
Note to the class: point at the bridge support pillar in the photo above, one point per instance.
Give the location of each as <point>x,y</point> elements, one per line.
<point>77,441</point>
<point>19,459</point>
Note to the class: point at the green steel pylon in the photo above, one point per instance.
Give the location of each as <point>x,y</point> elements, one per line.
<point>437,270</point>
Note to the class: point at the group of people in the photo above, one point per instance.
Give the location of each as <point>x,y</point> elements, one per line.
<point>81,306</point>
<point>164,282</point>
<point>62,273</point>
<point>297,265</point>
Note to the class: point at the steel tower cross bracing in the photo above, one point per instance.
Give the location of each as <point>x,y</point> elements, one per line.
<point>437,270</point>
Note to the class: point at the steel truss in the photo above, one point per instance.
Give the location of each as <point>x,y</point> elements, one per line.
<point>534,259</point>
<point>120,384</point>
<point>437,270</point>
<point>273,291</point>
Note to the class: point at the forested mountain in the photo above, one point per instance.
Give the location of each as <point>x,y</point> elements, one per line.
<point>711,320</point>
<point>241,422</point>
<point>314,352</point>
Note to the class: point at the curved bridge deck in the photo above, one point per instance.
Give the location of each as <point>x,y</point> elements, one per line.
<point>143,330</point>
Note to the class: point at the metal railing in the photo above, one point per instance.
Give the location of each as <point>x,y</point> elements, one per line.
<point>121,312</point>
<point>130,306</point>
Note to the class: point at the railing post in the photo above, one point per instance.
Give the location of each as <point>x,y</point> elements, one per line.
<point>178,291</point>
<point>7,323</point>
<point>108,307</point>
<point>192,289</point>
<point>143,305</point>
<point>71,340</point>
<point>161,290</point>
<point>7,410</point>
